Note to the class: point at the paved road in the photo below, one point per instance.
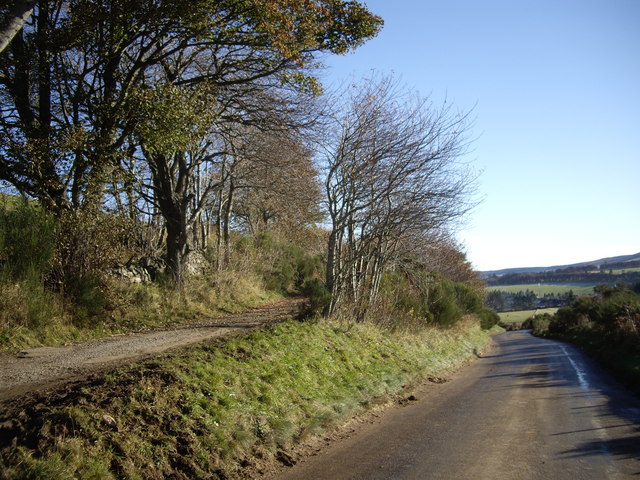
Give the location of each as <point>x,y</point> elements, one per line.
<point>530,409</point>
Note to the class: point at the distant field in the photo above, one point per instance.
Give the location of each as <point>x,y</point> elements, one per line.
<point>518,317</point>
<point>617,271</point>
<point>544,288</point>
<point>626,270</point>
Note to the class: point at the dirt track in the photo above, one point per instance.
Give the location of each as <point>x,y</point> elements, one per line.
<point>49,367</point>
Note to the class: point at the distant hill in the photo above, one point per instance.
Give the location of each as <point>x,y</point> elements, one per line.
<point>601,264</point>
<point>541,287</point>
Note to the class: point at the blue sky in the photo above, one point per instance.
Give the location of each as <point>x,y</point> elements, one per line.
<point>555,87</point>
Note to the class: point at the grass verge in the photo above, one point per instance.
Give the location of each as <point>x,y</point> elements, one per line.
<point>228,407</point>
<point>31,316</point>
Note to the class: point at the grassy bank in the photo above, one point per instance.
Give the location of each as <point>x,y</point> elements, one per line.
<point>31,316</point>
<point>229,407</point>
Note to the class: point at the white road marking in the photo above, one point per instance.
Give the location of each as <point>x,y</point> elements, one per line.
<point>582,377</point>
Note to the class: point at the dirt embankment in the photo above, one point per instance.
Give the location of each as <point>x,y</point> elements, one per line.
<point>51,367</point>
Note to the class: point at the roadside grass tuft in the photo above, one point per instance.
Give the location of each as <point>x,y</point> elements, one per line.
<point>231,405</point>
<point>32,316</point>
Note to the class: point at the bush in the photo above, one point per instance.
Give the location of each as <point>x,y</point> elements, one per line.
<point>401,297</point>
<point>443,303</point>
<point>26,304</point>
<point>468,298</point>
<point>286,268</point>
<point>89,298</point>
<point>319,297</point>
<point>27,241</point>
<point>488,317</point>
<point>608,327</point>
<point>426,297</point>
<point>27,246</point>
<point>540,323</point>
<point>89,243</point>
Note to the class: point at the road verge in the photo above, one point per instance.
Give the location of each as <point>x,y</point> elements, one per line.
<point>228,408</point>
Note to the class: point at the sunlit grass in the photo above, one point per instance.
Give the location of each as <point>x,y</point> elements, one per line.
<point>32,316</point>
<point>545,288</point>
<point>521,316</point>
<point>222,404</point>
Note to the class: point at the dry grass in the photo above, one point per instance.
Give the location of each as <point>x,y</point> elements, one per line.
<point>521,316</point>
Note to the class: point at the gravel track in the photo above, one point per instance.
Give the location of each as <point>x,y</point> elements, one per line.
<point>49,367</point>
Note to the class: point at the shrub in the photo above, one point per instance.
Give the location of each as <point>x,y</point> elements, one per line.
<point>319,297</point>
<point>540,323</point>
<point>429,298</point>
<point>607,326</point>
<point>27,245</point>
<point>286,268</point>
<point>468,298</point>
<point>27,241</point>
<point>89,243</point>
<point>488,317</point>
<point>399,295</point>
<point>88,295</point>
<point>443,303</point>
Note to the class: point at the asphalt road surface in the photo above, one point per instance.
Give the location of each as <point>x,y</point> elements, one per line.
<point>530,409</point>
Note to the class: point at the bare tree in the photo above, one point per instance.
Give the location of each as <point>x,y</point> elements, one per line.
<point>282,189</point>
<point>392,172</point>
<point>267,176</point>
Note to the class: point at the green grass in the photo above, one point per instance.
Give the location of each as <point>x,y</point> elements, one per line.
<point>215,410</point>
<point>545,288</point>
<point>11,201</point>
<point>31,316</point>
<point>521,316</point>
<point>618,271</point>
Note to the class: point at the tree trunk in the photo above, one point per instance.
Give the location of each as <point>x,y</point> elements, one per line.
<point>174,205</point>
<point>227,223</point>
<point>176,249</point>
<point>19,14</point>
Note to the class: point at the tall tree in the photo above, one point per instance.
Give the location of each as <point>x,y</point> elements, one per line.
<point>173,129</point>
<point>67,84</point>
<point>13,20</point>
<point>281,190</point>
<point>68,76</point>
<point>391,173</point>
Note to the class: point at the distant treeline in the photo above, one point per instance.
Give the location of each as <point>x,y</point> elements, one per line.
<point>502,301</point>
<point>565,276</point>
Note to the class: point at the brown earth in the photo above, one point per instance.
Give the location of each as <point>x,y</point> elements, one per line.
<point>46,369</point>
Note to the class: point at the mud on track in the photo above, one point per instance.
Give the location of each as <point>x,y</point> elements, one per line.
<point>51,367</point>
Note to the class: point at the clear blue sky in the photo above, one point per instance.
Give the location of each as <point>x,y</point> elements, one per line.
<point>556,90</point>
